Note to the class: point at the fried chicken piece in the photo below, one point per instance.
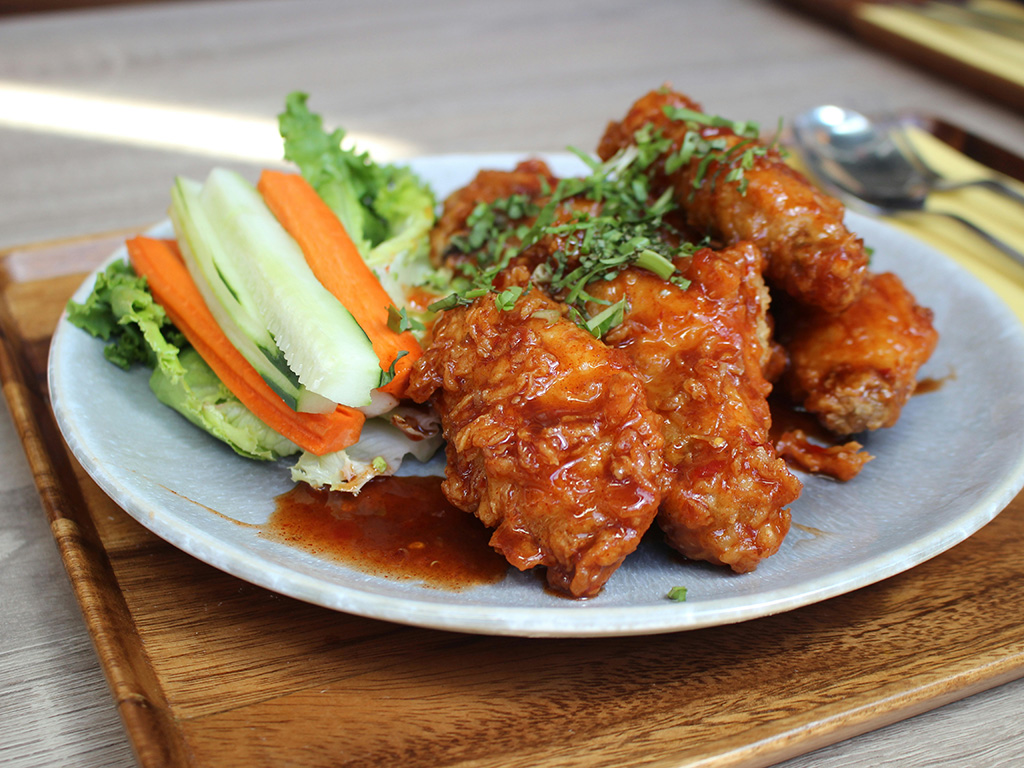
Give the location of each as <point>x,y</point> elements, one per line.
<point>550,439</point>
<point>811,254</point>
<point>700,352</point>
<point>531,180</point>
<point>857,369</point>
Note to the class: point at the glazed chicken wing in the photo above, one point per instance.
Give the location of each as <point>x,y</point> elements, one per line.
<point>811,254</point>
<point>550,439</point>
<point>856,370</point>
<point>700,352</point>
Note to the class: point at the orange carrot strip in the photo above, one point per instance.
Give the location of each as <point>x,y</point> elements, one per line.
<point>172,287</point>
<point>336,262</point>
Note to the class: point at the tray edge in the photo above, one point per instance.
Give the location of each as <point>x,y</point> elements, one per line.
<point>138,696</point>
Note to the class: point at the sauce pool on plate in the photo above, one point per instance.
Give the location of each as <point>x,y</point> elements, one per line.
<point>396,527</point>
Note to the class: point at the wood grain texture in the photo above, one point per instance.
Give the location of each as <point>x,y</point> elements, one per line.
<point>91,730</point>
<point>27,310</point>
<point>47,6</point>
<point>843,13</point>
<point>211,671</point>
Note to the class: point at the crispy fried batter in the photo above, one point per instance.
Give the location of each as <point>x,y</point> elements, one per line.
<point>811,253</point>
<point>531,179</point>
<point>841,462</point>
<point>856,370</point>
<point>700,353</point>
<point>550,439</point>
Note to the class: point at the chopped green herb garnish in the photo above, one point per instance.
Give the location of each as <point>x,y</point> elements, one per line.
<point>606,319</point>
<point>747,128</point>
<point>678,594</point>
<point>491,228</point>
<point>508,298</point>
<point>388,376</point>
<point>400,322</point>
<point>601,224</point>
<point>451,301</point>
<point>654,262</point>
<point>735,161</point>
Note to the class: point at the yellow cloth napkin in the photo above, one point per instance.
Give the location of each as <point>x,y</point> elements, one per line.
<point>997,214</point>
<point>988,51</point>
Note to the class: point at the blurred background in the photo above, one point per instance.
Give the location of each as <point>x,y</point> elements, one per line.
<point>106,127</point>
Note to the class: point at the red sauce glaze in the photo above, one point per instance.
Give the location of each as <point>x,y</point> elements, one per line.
<point>805,444</point>
<point>396,527</point>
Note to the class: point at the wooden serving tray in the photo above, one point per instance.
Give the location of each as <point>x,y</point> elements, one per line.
<point>846,15</point>
<point>210,671</point>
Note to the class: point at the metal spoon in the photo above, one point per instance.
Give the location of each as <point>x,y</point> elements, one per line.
<point>875,165</point>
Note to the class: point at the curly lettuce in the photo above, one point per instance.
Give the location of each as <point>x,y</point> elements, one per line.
<point>121,311</point>
<point>386,209</point>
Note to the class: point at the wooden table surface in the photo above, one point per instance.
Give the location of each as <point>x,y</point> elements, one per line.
<point>99,109</point>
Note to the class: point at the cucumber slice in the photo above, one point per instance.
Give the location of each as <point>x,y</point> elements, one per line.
<point>231,304</point>
<point>321,341</point>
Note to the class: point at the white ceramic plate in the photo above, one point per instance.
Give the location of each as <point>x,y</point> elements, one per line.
<point>955,459</point>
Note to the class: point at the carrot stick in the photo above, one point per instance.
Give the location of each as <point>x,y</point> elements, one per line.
<point>172,287</point>
<point>336,262</point>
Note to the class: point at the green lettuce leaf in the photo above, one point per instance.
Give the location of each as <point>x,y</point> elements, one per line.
<point>202,398</point>
<point>346,180</point>
<point>386,209</point>
<point>122,311</point>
